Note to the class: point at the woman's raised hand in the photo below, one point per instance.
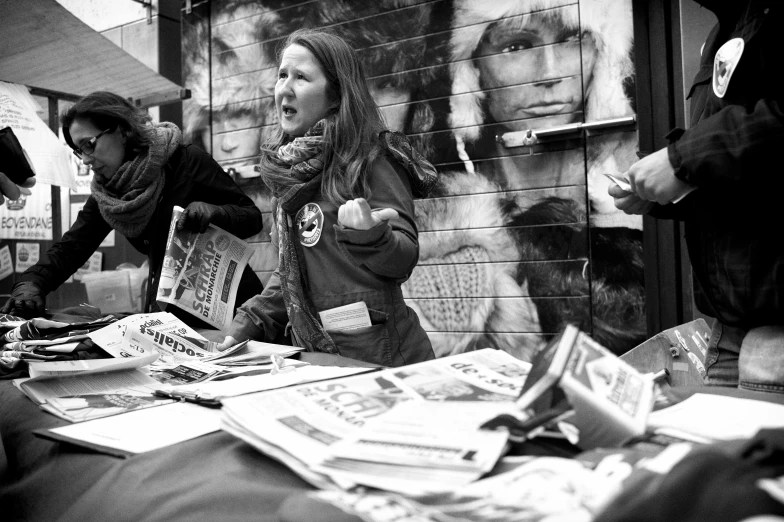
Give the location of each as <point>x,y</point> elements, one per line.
<point>357,214</point>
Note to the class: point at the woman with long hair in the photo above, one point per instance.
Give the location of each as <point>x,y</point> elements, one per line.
<point>141,171</point>
<point>344,189</point>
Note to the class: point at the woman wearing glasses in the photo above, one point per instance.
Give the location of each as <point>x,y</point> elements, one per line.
<point>142,170</point>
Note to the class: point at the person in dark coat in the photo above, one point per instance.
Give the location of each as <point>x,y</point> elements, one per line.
<point>726,170</point>
<point>142,170</point>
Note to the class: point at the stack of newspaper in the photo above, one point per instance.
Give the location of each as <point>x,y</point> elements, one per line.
<point>88,389</point>
<point>148,352</point>
<point>409,429</point>
<point>40,339</point>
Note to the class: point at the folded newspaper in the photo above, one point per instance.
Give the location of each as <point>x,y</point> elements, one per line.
<point>202,271</point>
<point>81,390</point>
<point>161,332</point>
<point>522,488</point>
<point>316,428</point>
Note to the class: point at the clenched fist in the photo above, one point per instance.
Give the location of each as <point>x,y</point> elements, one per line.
<point>357,214</point>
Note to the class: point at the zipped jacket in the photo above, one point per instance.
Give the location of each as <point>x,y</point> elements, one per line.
<point>344,266</point>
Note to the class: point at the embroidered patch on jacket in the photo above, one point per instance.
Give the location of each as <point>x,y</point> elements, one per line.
<point>310,221</point>
<point>724,64</point>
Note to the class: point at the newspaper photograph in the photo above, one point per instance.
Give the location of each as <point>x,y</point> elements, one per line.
<point>298,425</point>
<point>202,271</point>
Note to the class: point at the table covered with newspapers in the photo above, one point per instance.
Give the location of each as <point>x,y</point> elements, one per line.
<point>375,444</point>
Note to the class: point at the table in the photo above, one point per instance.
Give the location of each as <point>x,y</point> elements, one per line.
<point>214,477</point>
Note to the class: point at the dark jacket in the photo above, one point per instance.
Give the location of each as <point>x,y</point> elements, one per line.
<point>344,266</point>
<point>191,175</point>
<point>732,154</point>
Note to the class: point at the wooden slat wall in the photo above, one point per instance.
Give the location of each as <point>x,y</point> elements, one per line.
<point>507,242</point>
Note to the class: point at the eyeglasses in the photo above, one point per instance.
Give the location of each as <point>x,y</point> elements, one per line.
<point>89,145</point>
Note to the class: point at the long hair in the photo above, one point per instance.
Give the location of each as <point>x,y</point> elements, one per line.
<point>108,111</point>
<point>351,129</point>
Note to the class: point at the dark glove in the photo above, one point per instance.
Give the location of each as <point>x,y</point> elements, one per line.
<point>199,215</point>
<point>27,301</point>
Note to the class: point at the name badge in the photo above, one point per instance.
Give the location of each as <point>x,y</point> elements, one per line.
<point>724,64</point>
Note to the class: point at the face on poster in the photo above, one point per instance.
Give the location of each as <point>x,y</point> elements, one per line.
<point>29,217</point>
<point>464,73</point>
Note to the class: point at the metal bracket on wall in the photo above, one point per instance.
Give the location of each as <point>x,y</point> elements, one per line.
<point>530,137</point>
<point>156,100</point>
<point>191,4</point>
<point>148,5</point>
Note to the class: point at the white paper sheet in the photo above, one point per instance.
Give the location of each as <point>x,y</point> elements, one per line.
<point>718,417</point>
<point>145,430</point>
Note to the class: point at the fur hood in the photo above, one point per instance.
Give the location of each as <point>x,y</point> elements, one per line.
<point>609,22</point>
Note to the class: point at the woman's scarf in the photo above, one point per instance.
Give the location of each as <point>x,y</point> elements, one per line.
<point>127,201</point>
<point>304,156</point>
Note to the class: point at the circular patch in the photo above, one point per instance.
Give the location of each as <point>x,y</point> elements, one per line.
<point>310,221</point>
<point>724,64</point>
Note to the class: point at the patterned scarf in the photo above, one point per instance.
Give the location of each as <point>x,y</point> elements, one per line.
<point>305,156</point>
<point>127,201</point>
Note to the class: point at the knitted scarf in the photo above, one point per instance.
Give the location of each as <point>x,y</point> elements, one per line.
<point>304,157</point>
<point>127,201</point>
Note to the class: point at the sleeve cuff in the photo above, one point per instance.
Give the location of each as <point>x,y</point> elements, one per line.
<point>356,244</point>
<point>361,237</point>
<point>37,280</point>
<point>677,161</point>
<point>243,328</point>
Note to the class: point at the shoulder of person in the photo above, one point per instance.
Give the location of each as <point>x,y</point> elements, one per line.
<point>192,159</point>
<point>385,161</point>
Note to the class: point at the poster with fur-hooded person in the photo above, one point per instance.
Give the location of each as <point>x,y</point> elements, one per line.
<point>534,65</point>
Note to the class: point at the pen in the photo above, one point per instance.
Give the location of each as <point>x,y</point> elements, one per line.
<point>194,397</point>
<point>661,375</point>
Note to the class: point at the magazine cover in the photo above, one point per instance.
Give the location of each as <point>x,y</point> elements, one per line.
<point>201,272</point>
